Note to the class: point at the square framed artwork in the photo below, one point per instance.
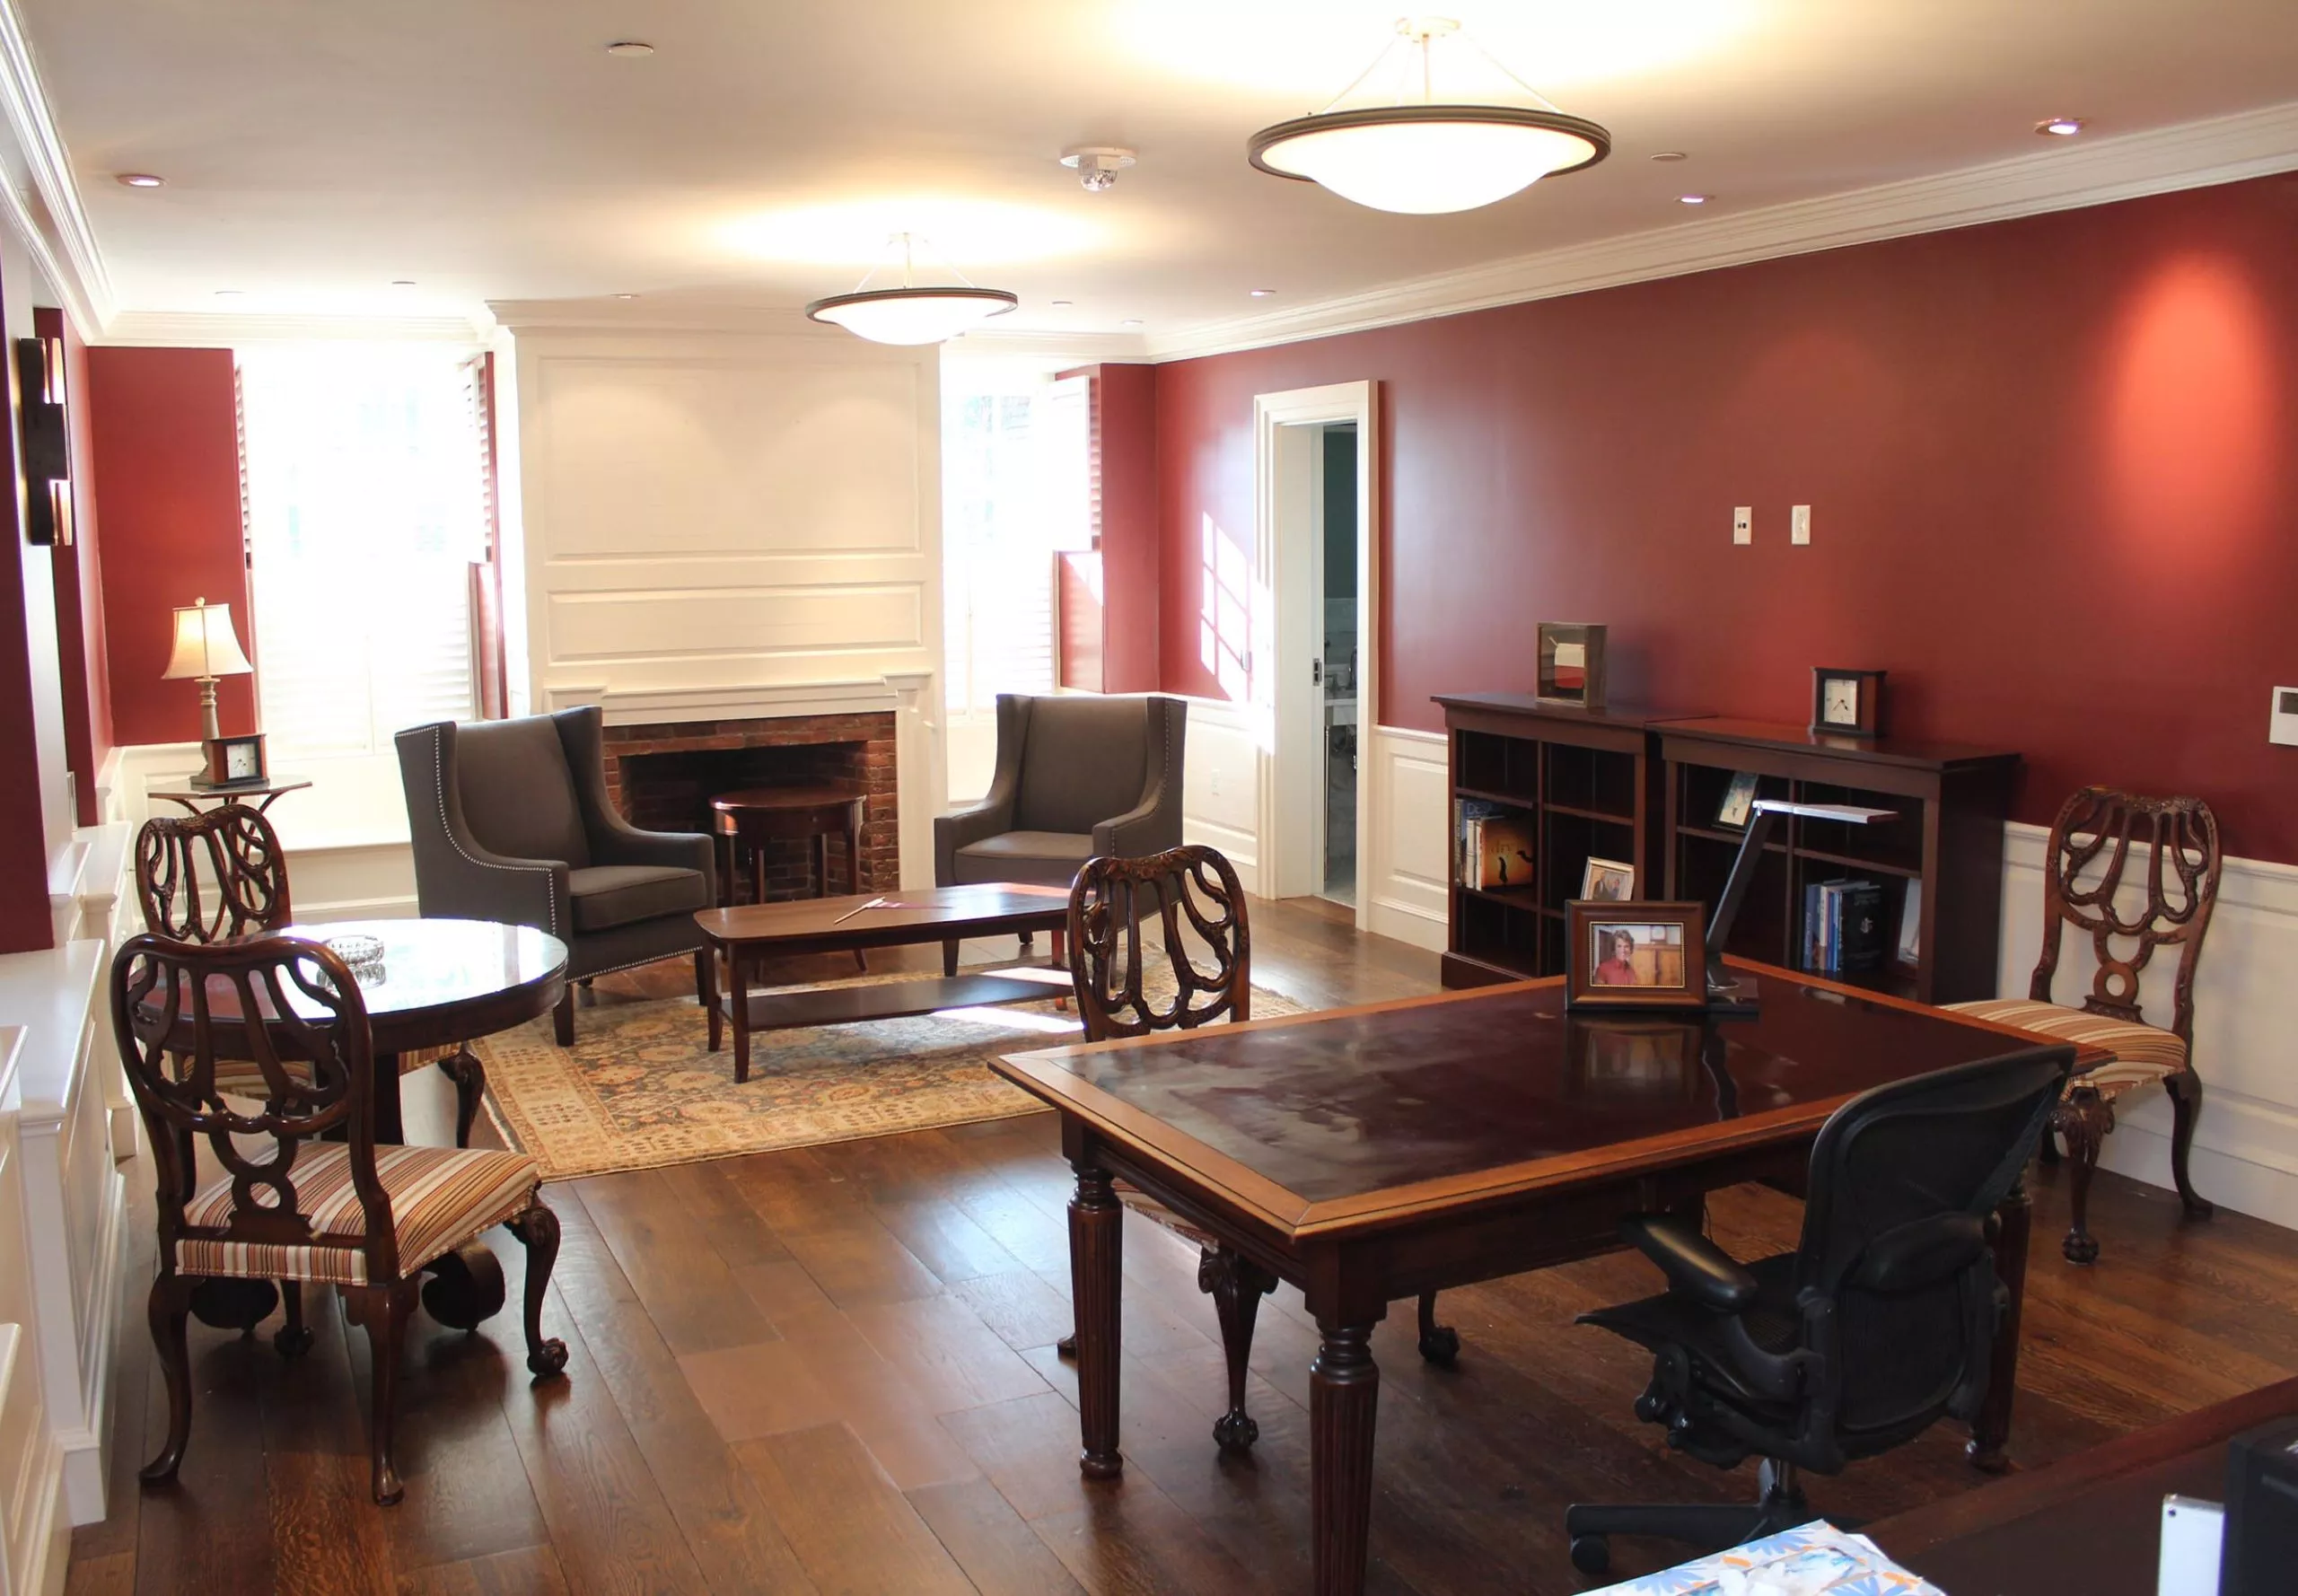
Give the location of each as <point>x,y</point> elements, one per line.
<point>1570,664</point>
<point>1635,955</point>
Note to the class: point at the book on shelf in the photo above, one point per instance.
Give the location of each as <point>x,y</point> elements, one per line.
<point>1843,926</point>
<point>1495,845</point>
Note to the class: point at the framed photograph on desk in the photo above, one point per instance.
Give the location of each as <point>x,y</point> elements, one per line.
<point>1635,955</point>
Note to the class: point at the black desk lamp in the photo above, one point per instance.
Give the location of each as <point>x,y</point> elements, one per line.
<point>1723,993</point>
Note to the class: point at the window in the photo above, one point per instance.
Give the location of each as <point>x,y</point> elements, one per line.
<point>1016,486</point>
<point>366,509</point>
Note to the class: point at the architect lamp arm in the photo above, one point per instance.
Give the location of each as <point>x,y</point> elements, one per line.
<point>1721,988</point>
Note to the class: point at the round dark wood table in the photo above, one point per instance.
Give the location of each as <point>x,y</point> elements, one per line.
<point>436,984</point>
<point>756,816</point>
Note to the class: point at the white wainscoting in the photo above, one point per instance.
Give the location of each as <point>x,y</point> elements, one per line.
<point>713,520</point>
<point>335,871</point>
<point>1404,880</point>
<point>35,1528</point>
<point>2245,1154</point>
<point>2245,996</point>
<point>1220,783</point>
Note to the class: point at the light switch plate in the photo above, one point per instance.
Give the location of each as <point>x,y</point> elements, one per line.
<point>1799,524</point>
<point>2282,719</point>
<point>1743,524</point>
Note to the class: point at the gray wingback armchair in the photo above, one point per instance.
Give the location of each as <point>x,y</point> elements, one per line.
<point>1076,777</point>
<point>511,822</point>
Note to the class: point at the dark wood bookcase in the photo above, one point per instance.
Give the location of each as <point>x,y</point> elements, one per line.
<point>1589,782</point>
<point>1944,845</point>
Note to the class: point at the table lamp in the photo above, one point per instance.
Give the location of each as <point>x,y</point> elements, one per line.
<point>207,648</point>
<point>1724,995</point>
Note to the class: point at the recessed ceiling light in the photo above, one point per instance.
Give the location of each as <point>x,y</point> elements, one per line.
<point>1130,321</point>
<point>1672,155</point>
<point>140,179</point>
<point>229,293</point>
<point>1694,198</point>
<point>1061,305</point>
<point>630,46</point>
<point>2060,127</point>
<point>402,282</point>
<point>626,296</point>
<point>1262,292</point>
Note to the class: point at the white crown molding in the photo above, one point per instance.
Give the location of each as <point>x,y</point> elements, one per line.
<point>610,315</point>
<point>67,243</point>
<point>1048,348</point>
<point>212,330</point>
<point>2193,155</point>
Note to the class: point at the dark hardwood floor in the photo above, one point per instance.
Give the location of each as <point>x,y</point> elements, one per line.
<point>832,1370</point>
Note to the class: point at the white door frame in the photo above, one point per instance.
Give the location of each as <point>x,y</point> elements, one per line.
<point>1291,723</point>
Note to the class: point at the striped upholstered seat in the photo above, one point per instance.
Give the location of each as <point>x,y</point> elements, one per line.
<point>2142,1054</point>
<point>441,1197</point>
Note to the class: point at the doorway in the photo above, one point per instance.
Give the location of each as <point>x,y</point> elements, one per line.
<point>1337,513</point>
<point>1316,673</point>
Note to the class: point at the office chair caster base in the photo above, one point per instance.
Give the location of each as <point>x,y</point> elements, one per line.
<point>1591,1554</point>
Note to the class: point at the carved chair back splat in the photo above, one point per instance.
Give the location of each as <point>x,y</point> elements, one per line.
<point>1191,896</point>
<point>2091,844</point>
<point>209,877</point>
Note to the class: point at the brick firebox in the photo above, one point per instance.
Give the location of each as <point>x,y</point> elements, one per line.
<point>664,777</point>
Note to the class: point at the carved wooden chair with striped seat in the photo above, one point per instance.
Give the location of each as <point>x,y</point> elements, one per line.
<point>1192,897</point>
<point>2085,885</point>
<point>287,1206</point>
<point>213,877</point>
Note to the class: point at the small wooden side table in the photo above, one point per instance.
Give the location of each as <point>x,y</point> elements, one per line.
<point>758,815</point>
<point>191,792</point>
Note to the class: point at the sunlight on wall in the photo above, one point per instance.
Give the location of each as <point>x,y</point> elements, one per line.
<point>2195,408</point>
<point>1224,616</point>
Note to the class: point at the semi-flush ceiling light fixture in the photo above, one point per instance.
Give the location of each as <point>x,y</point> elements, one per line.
<point>911,313</point>
<point>1411,151</point>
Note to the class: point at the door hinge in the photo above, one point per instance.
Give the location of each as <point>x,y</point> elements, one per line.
<point>1316,673</point>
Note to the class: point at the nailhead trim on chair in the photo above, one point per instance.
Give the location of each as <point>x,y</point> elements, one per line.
<point>439,782</point>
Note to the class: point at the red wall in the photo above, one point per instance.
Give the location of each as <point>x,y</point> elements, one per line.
<point>165,437</point>
<point>1129,554</point>
<point>79,588</point>
<point>2050,462</point>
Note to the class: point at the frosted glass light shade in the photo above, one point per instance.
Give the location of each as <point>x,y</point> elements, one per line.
<point>205,643</point>
<point>912,315</point>
<point>1424,159</point>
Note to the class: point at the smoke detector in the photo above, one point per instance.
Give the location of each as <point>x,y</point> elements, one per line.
<point>1097,165</point>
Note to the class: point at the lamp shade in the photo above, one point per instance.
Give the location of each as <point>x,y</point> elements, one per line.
<point>206,644</point>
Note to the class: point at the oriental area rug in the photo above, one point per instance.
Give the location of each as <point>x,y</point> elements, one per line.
<point>641,1089</point>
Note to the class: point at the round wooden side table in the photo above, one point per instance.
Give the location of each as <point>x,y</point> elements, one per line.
<point>756,816</point>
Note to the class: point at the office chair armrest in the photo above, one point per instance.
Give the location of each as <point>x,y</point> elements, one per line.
<point>1696,1268</point>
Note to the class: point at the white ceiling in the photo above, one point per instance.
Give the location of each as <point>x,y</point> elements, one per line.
<point>315,150</point>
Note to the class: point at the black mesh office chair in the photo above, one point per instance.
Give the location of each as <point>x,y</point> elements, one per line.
<point>1880,1322</point>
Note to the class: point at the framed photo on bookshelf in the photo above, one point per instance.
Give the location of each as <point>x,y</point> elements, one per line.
<point>1608,880</point>
<point>1739,800</point>
<point>1571,668</point>
<point>1635,955</point>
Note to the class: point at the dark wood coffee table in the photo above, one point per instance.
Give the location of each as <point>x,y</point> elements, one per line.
<point>744,936</point>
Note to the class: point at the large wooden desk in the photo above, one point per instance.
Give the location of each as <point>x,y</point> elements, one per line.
<point>2091,1522</point>
<point>1371,1154</point>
